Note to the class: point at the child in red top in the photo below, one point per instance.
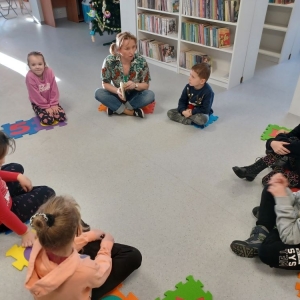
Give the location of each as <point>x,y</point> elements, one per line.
<point>18,199</point>
<point>43,90</point>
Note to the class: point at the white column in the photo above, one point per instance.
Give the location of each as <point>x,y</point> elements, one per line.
<point>36,10</point>
<point>295,105</point>
<point>128,15</point>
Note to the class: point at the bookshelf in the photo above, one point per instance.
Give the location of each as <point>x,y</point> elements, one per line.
<point>230,66</point>
<point>280,39</point>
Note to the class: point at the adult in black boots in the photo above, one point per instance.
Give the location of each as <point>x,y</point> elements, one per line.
<point>282,155</point>
<point>277,246</point>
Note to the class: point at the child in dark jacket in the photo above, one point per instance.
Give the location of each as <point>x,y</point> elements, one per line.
<point>196,100</point>
<point>282,154</point>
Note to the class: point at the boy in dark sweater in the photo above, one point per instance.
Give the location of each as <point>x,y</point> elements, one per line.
<point>195,103</point>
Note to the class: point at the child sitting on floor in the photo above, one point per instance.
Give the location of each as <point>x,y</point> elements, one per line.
<point>196,99</point>
<point>18,199</point>
<point>43,90</point>
<point>277,246</point>
<point>56,271</point>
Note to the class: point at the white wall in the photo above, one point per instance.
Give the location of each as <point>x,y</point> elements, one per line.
<point>295,105</point>
<point>36,10</point>
<point>128,15</point>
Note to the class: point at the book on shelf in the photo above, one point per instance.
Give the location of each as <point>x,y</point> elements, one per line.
<point>223,37</point>
<point>281,1</point>
<point>189,58</point>
<point>163,5</point>
<point>156,24</point>
<point>169,54</point>
<point>205,34</point>
<point>157,50</point>
<point>222,10</point>
<point>123,90</point>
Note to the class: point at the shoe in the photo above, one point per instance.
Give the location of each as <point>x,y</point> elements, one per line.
<point>250,247</point>
<point>243,174</point>
<point>255,212</point>
<point>138,112</point>
<point>250,172</point>
<point>109,111</point>
<point>85,227</point>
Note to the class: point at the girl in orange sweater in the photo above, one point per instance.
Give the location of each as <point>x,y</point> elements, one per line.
<point>57,271</point>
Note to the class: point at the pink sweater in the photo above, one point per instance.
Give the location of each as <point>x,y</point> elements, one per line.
<point>42,92</point>
<point>72,279</point>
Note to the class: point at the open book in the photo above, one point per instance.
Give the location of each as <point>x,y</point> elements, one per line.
<point>122,86</point>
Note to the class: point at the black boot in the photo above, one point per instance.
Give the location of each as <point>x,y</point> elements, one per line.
<point>250,172</point>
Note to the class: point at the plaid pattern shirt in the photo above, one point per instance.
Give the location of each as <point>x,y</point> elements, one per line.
<point>112,70</point>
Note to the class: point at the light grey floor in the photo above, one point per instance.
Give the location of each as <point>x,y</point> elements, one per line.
<point>166,188</point>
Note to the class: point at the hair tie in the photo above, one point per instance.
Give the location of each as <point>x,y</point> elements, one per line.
<point>47,217</point>
<point>50,220</point>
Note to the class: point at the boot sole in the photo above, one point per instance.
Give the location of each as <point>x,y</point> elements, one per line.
<point>240,174</point>
<point>244,250</point>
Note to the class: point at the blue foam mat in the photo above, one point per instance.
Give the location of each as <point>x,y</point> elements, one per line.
<point>211,119</point>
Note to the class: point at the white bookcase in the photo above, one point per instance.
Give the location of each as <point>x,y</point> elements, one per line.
<point>230,66</point>
<point>280,40</point>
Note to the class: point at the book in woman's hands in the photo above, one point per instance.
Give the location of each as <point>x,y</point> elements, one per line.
<point>122,86</point>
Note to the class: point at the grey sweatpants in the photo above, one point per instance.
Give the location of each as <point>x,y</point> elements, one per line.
<point>199,119</point>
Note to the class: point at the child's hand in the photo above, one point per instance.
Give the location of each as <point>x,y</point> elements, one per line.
<point>49,111</point>
<point>108,237</point>
<point>130,85</point>
<point>28,238</point>
<point>55,109</point>
<point>282,131</point>
<point>277,190</point>
<point>278,147</point>
<point>279,179</point>
<point>99,233</point>
<point>25,182</point>
<point>187,113</point>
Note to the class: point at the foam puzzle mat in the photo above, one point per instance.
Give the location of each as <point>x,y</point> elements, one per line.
<point>271,131</point>
<point>191,290</point>
<point>211,119</point>
<point>32,126</point>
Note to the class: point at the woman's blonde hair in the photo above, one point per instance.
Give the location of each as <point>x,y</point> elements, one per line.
<point>57,222</point>
<point>120,38</point>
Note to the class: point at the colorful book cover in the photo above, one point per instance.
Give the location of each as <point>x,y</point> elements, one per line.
<point>224,37</point>
<point>175,6</point>
<point>169,54</point>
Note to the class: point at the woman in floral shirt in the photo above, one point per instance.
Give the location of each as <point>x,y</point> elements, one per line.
<point>126,66</point>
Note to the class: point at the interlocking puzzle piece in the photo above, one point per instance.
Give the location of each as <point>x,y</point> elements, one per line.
<point>116,294</point>
<point>271,131</point>
<point>211,119</point>
<point>149,109</point>
<point>192,290</point>
<point>31,126</point>
<point>18,253</point>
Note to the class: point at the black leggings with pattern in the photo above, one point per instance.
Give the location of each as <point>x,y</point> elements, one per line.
<point>24,205</point>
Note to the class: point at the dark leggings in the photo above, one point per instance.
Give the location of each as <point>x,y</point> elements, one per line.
<point>125,260</point>
<point>46,118</point>
<point>293,177</point>
<point>273,251</point>
<point>24,205</point>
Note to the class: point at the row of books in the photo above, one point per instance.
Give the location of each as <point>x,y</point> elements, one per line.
<point>282,1</point>
<point>157,50</point>
<point>189,58</point>
<point>205,34</point>
<point>223,10</point>
<point>157,24</point>
<point>163,5</point>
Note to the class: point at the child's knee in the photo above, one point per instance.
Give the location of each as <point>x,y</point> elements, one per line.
<point>136,258</point>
